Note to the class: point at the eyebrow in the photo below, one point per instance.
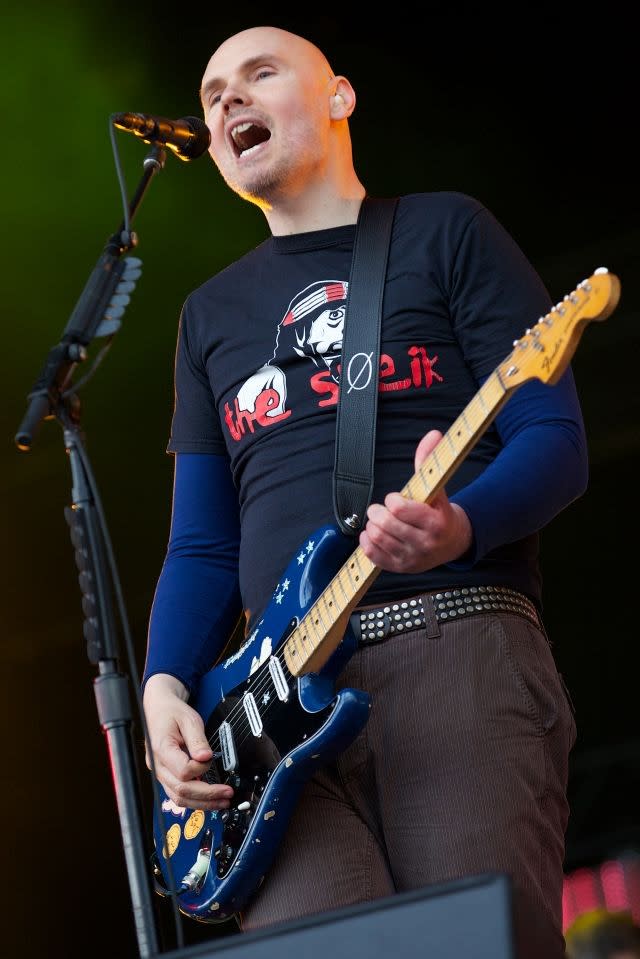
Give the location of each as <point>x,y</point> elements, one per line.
<point>245,67</point>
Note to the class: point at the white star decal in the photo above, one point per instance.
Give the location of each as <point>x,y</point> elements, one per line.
<point>300,559</point>
<point>310,545</point>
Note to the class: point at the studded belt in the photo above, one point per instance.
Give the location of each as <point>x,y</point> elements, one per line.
<point>373,624</point>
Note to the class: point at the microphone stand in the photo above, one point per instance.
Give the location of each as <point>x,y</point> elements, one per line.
<point>97,313</point>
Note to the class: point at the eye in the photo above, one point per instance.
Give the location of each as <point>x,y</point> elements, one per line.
<point>210,101</point>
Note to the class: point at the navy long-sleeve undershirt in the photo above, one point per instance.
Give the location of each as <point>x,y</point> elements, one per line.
<point>542,467</point>
<point>197,598</point>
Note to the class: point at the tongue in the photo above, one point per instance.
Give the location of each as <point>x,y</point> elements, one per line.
<point>252,137</point>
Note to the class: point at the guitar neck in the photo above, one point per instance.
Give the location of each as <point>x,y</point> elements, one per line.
<point>321,630</point>
<point>461,436</point>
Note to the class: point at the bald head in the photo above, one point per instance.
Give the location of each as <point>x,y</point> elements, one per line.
<point>258,42</point>
<point>277,116</point>
<point>273,37</point>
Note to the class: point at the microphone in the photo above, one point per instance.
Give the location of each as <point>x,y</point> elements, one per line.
<point>188,137</point>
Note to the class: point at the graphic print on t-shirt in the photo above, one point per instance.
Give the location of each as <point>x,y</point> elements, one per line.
<point>313,326</point>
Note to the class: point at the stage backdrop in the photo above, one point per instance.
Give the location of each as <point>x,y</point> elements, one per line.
<point>534,118</point>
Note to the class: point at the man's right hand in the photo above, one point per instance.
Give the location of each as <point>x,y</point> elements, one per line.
<point>181,751</point>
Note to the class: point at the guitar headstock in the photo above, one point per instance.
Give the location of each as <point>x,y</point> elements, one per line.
<point>544,352</point>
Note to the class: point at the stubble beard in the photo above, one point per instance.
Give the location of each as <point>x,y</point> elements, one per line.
<point>274,181</point>
<point>261,186</point>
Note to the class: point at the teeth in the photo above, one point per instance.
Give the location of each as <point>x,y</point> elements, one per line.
<point>243,153</point>
<point>241,128</point>
<point>247,144</point>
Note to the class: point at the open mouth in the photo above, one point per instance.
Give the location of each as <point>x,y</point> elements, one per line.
<point>248,136</point>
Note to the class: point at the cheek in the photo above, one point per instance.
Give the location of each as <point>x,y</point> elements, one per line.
<point>215,124</point>
<point>305,133</point>
<point>218,146</point>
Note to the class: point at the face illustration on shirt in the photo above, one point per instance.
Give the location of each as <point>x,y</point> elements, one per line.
<point>316,318</point>
<point>312,326</point>
<point>324,338</point>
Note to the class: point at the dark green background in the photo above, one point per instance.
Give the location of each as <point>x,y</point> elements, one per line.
<point>533,113</point>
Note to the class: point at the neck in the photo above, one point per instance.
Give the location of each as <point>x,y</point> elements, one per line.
<point>315,210</point>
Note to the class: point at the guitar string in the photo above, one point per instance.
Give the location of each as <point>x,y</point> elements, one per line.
<point>263,673</point>
<point>238,710</point>
<point>262,681</point>
<point>469,412</point>
<point>237,716</point>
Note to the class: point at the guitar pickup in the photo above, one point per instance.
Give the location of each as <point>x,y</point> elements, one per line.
<point>253,714</point>
<point>227,747</point>
<point>279,679</point>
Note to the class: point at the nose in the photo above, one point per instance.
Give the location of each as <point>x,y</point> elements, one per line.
<point>232,95</point>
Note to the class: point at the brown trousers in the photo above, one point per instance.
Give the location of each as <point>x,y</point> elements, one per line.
<point>461,770</point>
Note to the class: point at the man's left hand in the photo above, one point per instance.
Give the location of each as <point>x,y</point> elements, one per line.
<point>405,536</point>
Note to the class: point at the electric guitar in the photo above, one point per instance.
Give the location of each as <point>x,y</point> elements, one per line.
<point>271,710</point>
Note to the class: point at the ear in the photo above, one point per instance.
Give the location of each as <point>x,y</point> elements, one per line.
<point>342,100</point>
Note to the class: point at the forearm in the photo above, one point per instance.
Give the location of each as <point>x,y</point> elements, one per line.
<point>194,611</point>
<point>541,469</point>
<point>197,598</point>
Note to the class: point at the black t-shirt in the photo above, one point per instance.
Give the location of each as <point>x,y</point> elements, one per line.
<point>258,367</point>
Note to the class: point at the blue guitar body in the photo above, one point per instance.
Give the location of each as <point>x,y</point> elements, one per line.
<point>270,731</point>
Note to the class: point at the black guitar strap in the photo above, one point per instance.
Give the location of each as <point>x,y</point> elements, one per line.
<point>358,395</point>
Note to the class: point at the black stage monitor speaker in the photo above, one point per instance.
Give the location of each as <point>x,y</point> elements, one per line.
<point>467,919</point>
